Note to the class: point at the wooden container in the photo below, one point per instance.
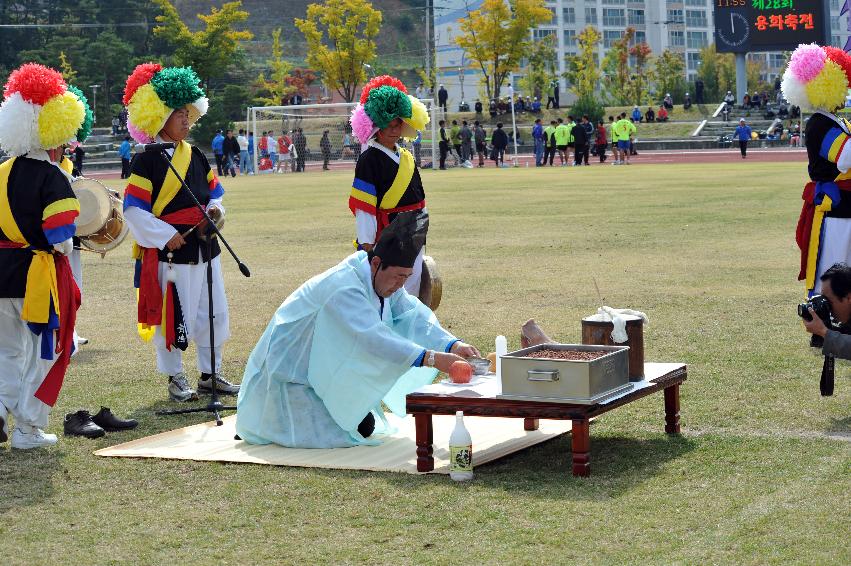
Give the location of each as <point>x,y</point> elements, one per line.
<point>598,332</point>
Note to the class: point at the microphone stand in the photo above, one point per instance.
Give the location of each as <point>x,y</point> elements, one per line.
<point>215,406</point>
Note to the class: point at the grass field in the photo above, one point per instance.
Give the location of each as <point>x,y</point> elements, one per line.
<point>760,474</point>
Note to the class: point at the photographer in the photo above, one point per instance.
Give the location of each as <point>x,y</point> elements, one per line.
<point>836,287</point>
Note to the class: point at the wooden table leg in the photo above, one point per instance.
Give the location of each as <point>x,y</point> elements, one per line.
<point>672,409</point>
<point>581,440</point>
<point>425,440</point>
<point>530,424</point>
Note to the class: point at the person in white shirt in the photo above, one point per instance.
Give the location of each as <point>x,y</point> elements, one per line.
<point>245,164</point>
<point>272,148</point>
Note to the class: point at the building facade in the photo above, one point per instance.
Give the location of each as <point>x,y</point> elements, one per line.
<point>684,26</point>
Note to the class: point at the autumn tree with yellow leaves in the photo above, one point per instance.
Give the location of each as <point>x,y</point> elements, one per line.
<point>497,37</point>
<point>340,38</point>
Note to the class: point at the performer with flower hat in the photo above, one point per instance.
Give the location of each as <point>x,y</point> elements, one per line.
<point>38,296</point>
<point>163,103</point>
<point>817,79</point>
<point>387,180</point>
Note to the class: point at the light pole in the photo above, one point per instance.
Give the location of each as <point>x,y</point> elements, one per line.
<point>513,122</point>
<point>369,69</point>
<point>94,102</point>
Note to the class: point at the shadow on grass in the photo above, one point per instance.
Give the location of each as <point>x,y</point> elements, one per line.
<point>27,476</point>
<point>842,425</point>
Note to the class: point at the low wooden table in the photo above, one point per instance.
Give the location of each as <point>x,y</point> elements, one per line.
<point>665,377</point>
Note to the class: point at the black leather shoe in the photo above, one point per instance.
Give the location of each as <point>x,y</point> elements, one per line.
<point>109,422</point>
<point>80,424</point>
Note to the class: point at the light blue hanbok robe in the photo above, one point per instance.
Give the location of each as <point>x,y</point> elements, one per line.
<point>330,355</point>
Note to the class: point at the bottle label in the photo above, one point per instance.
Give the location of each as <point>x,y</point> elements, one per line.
<point>461,458</point>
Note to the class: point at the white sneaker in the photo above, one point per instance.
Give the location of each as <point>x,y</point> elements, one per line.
<point>4,426</point>
<point>179,388</point>
<point>35,438</point>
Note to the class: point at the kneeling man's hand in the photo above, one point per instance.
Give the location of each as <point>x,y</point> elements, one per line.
<point>464,350</point>
<point>443,360</point>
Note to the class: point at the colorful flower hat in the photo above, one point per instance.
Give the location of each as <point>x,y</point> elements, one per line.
<point>382,100</point>
<point>817,78</point>
<point>40,111</point>
<point>153,92</point>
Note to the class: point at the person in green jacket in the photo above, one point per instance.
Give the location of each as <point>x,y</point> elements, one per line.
<point>624,129</point>
<point>550,143</point>
<point>455,138</point>
<point>571,123</point>
<point>562,135</point>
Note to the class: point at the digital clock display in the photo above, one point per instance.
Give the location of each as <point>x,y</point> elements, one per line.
<point>770,25</point>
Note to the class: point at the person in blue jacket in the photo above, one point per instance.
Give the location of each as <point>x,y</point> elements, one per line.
<point>743,134</point>
<point>218,142</point>
<point>125,152</point>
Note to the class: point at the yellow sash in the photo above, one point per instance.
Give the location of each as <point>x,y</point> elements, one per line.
<point>400,183</point>
<point>66,165</point>
<point>171,185</point>
<point>41,277</point>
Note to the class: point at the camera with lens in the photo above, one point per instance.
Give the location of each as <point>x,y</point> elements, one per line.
<point>821,306</point>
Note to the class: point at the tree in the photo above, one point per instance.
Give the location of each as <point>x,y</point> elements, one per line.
<point>636,88</point>
<point>583,72</point>
<point>496,37</point>
<point>279,69</point>
<point>301,79</point>
<point>616,67</point>
<point>208,51</point>
<point>541,69</point>
<point>340,38</point>
<point>68,73</point>
<point>670,74</point>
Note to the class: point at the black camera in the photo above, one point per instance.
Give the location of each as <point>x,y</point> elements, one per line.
<point>821,306</point>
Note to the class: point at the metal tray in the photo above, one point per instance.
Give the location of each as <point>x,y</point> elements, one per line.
<point>582,382</point>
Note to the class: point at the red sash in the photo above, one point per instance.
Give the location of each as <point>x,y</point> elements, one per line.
<point>804,230</point>
<point>69,302</point>
<point>150,306</point>
<point>383,215</point>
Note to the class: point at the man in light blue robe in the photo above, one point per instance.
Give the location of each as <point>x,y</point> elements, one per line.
<point>342,343</point>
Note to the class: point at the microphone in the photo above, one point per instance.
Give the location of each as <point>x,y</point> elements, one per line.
<point>154,146</point>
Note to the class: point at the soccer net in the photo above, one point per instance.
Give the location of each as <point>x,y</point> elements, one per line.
<point>314,120</point>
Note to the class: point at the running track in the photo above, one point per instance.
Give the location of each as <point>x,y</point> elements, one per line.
<point>644,158</point>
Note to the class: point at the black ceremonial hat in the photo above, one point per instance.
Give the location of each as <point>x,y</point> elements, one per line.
<point>401,242</point>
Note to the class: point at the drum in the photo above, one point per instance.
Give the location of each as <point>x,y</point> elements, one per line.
<point>431,285</point>
<point>100,225</point>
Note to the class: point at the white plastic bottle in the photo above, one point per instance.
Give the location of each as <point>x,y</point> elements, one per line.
<point>460,451</point>
<point>501,348</point>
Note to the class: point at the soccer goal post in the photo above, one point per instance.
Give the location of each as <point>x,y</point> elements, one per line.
<point>314,120</point>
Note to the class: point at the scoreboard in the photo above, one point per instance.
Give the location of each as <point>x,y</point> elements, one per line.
<point>743,26</point>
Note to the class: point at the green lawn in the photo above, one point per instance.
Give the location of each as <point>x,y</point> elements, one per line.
<point>759,475</point>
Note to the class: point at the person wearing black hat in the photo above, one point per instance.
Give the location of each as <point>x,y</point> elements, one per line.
<point>342,344</point>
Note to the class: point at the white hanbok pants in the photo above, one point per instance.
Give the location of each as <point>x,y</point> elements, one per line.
<point>835,248</point>
<point>21,368</point>
<point>191,287</point>
<point>412,285</point>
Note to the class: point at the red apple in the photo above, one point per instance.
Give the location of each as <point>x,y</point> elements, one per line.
<point>460,372</point>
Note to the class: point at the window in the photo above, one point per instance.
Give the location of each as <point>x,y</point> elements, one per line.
<point>696,39</point>
<point>834,5</point>
<point>675,16</point>
<point>693,60</point>
<point>610,37</point>
<point>570,39</point>
<point>636,17</point>
<point>676,38</point>
<point>836,41</point>
<point>615,2</point>
<point>834,24</point>
<point>696,18</point>
<point>613,17</point>
<point>538,34</point>
<point>701,3</point>
<point>640,37</point>
<point>568,15</point>
<point>776,60</point>
<point>590,14</point>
